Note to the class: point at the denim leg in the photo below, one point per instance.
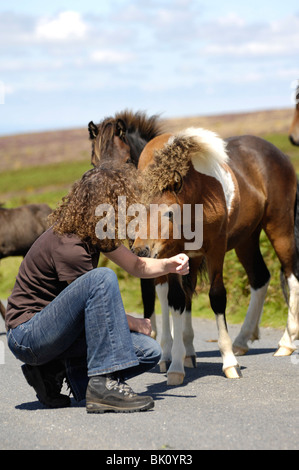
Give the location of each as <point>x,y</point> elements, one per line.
<point>92,302</point>
<point>112,349</point>
<point>148,352</point>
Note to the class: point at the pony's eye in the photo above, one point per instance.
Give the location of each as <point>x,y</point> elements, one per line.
<point>169,214</point>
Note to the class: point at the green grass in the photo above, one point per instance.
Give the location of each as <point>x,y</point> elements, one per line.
<point>282,142</point>
<point>51,182</point>
<point>47,183</point>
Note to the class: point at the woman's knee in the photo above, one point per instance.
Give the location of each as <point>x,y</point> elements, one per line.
<point>156,350</point>
<point>146,347</point>
<point>105,275</point>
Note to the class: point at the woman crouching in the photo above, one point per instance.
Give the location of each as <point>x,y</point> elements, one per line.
<point>65,317</point>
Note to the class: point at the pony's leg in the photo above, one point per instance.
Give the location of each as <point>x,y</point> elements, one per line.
<point>291,333</point>
<point>218,303</point>
<point>188,336</point>
<point>177,303</point>
<point>189,285</point>
<point>284,246</point>
<point>250,327</point>
<point>148,298</point>
<point>176,371</point>
<point>166,337</point>
<point>259,277</point>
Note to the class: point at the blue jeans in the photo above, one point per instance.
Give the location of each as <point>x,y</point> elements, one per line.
<point>86,327</point>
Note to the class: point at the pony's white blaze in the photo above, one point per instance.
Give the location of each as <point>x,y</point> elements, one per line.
<point>211,159</point>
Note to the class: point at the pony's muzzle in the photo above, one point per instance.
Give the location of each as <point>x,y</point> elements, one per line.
<point>293,141</point>
<point>143,252</point>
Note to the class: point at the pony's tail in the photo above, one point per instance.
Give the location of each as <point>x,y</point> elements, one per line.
<point>284,284</point>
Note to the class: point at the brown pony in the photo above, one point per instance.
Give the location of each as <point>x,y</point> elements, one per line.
<point>294,130</point>
<point>19,228</point>
<point>121,139</point>
<point>243,186</point>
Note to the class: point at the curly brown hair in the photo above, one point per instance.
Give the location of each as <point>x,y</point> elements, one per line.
<point>76,214</point>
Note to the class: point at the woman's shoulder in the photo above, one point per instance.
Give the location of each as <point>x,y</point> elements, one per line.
<point>50,236</point>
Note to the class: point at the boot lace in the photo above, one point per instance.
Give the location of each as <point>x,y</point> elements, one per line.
<point>120,385</point>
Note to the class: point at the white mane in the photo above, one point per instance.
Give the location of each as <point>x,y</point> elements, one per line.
<point>211,149</point>
<point>210,157</point>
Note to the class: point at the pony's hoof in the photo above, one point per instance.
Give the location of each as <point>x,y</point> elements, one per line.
<point>175,378</point>
<point>163,365</point>
<point>190,361</point>
<point>283,351</point>
<point>233,372</point>
<point>239,351</point>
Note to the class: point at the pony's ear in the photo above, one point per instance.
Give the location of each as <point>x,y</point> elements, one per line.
<point>120,150</point>
<point>176,182</point>
<point>93,130</point>
<point>120,129</point>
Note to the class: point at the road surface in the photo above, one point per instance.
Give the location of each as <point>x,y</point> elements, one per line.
<point>259,411</point>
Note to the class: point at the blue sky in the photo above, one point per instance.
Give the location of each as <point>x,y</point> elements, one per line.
<point>64,63</point>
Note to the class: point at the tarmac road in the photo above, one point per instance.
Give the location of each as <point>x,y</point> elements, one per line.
<point>259,411</point>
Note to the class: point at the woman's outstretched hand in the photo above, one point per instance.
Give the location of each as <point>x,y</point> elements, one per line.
<point>141,325</point>
<point>147,268</point>
<point>179,264</point>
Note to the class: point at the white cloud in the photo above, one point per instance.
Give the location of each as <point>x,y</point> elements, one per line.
<point>19,64</point>
<point>5,89</point>
<point>234,38</point>
<point>67,25</point>
<point>232,20</point>
<point>160,48</point>
<point>111,57</point>
<point>249,49</point>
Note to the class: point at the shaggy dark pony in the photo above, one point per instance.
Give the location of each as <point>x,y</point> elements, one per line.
<point>122,137</point>
<point>19,228</point>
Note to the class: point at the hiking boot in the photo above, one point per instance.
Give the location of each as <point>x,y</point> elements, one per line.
<point>107,393</point>
<point>47,382</point>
